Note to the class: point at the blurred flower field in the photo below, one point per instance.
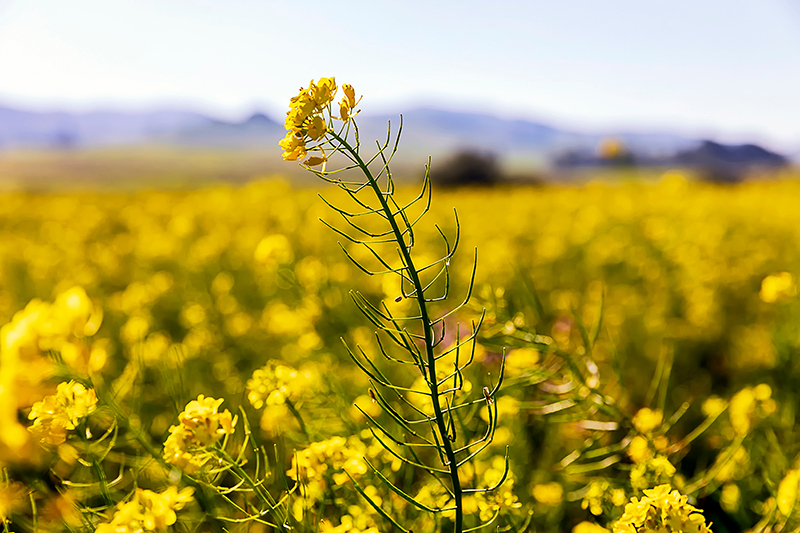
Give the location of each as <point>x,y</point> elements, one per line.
<point>651,335</point>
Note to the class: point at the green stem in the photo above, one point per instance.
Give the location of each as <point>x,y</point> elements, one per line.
<point>441,425</point>
<point>35,514</point>
<point>298,417</point>
<point>258,490</point>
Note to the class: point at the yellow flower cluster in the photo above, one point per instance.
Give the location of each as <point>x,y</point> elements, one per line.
<point>328,460</point>
<point>750,404</point>
<point>201,424</point>
<point>487,504</point>
<point>656,469</point>
<point>598,494</point>
<point>661,510</point>
<point>275,383</point>
<point>734,466</point>
<point>26,344</point>
<point>305,120</point>
<point>61,412</point>
<point>148,511</point>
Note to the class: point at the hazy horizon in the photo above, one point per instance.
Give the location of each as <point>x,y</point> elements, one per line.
<point>709,69</point>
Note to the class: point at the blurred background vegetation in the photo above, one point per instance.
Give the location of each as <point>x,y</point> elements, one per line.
<point>689,289</point>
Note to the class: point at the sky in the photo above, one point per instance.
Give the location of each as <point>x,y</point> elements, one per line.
<point>724,68</point>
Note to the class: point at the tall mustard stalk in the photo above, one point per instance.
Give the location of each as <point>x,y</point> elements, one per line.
<point>313,128</point>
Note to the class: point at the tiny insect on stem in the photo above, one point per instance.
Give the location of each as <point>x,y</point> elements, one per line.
<point>488,396</point>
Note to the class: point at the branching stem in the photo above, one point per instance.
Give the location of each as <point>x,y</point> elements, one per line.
<point>418,294</point>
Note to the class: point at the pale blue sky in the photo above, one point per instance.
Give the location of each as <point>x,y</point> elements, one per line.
<point>729,68</point>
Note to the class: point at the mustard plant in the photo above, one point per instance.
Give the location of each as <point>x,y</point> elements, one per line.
<point>429,435</point>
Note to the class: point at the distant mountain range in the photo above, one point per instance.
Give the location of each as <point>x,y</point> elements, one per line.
<point>426,131</point>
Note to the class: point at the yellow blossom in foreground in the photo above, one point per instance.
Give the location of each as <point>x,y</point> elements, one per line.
<point>323,91</point>
<point>663,511</point>
<point>306,119</point>
<point>148,511</point>
<point>201,424</point>
<point>25,362</point>
<point>294,146</point>
<point>60,413</point>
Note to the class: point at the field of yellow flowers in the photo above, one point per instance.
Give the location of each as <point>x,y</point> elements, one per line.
<point>173,360</point>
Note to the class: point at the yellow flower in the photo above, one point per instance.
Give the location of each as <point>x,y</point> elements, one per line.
<point>595,495</point>
<point>349,95</point>
<point>639,449</point>
<point>731,497</point>
<point>202,418</point>
<point>294,146</point>
<point>274,383</point>
<point>663,511</point>
<point>618,497</point>
<point>76,312</point>
<point>148,511</point>
<point>787,492</point>
<point>328,460</point>
<point>177,450</point>
<point>300,108</point>
<point>344,110</point>
<point>60,413</point>
<point>714,405</point>
<point>778,286</point>
<point>748,405</point>
<point>646,420</point>
<point>201,424</point>
<point>316,128</point>
<point>657,469</point>
<point>548,493</point>
<point>348,102</point>
<point>323,92</point>
<point>306,120</point>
